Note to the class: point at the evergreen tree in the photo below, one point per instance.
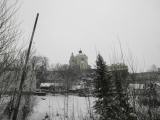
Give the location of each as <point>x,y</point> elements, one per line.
<point>103,91</point>
<point>112,101</point>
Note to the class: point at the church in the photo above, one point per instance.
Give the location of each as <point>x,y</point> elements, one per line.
<point>80,60</point>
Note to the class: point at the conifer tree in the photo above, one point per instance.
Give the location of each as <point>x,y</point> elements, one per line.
<point>103,91</point>
<point>112,101</point>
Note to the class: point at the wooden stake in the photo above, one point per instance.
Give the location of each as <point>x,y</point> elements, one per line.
<point>15,112</point>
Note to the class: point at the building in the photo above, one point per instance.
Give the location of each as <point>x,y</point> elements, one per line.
<point>118,67</point>
<point>80,60</point>
<point>52,87</point>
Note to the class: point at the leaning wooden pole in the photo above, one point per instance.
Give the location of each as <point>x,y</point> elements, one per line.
<point>15,112</point>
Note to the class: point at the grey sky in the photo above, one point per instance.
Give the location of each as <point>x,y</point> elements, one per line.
<point>65,26</point>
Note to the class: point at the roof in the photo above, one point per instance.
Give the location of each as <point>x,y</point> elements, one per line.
<point>51,84</point>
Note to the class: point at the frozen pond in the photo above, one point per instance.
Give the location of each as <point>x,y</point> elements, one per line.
<point>59,107</point>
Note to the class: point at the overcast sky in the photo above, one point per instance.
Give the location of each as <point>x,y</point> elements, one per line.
<point>65,26</point>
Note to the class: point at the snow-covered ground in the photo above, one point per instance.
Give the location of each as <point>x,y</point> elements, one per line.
<point>56,107</point>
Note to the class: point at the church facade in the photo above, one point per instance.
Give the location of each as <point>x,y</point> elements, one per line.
<point>80,60</point>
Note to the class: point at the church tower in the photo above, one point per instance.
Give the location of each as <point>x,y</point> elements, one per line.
<point>80,60</point>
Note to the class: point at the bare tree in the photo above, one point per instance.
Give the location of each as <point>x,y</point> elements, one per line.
<point>9,35</point>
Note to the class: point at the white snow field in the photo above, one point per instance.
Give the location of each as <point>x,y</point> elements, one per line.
<point>56,107</point>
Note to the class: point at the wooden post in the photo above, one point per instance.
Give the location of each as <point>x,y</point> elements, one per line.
<point>15,112</point>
